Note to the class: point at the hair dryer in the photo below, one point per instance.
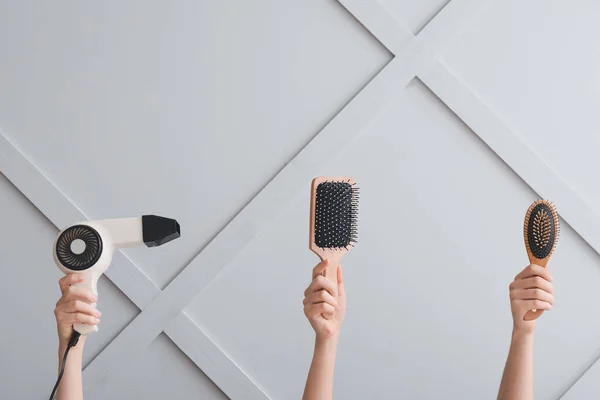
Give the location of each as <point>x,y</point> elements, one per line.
<point>87,247</point>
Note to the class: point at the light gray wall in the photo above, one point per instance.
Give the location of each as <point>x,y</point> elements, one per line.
<point>452,117</point>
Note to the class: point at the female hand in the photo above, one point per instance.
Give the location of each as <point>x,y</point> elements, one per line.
<point>530,290</point>
<point>325,303</point>
<point>74,307</point>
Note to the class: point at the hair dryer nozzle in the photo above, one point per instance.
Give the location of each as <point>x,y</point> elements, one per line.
<point>159,230</point>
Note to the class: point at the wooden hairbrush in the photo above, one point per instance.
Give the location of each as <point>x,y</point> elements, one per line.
<point>333,219</point>
<point>541,230</point>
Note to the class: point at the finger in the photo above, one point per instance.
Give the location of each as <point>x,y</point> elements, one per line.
<point>318,270</point>
<point>532,283</point>
<point>316,310</point>
<point>321,283</point>
<point>69,280</point>
<point>80,318</point>
<point>533,294</point>
<point>340,281</point>
<point>534,270</point>
<point>323,296</point>
<point>79,293</point>
<point>535,305</point>
<point>79,306</point>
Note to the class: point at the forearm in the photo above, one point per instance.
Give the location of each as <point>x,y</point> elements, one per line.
<point>319,384</point>
<point>517,380</point>
<point>71,387</point>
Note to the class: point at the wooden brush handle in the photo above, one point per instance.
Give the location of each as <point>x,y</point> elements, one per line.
<point>334,257</point>
<point>331,271</point>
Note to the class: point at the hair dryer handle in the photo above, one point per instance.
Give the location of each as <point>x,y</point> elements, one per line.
<point>90,282</point>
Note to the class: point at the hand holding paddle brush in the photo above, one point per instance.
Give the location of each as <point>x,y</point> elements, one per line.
<point>541,230</point>
<point>333,220</point>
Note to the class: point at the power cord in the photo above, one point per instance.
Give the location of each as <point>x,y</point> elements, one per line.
<point>72,343</point>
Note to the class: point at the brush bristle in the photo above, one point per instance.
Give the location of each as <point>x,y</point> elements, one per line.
<point>542,229</point>
<point>336,215</point>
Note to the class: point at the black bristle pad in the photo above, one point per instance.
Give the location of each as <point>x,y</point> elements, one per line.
<point>336,208</point>
<point>91,254</point>
<point>541,231</point>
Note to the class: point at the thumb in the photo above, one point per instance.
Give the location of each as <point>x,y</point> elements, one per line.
<point>340,281</point>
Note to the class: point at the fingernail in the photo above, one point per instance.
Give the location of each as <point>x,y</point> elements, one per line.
<point>96,320</point>
<point>95,299</point>
<point>98,313</point>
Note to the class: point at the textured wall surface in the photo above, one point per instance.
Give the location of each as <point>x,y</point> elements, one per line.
<point>451,115</point>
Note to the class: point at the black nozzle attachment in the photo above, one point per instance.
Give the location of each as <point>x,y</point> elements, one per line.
<point>159,230</point>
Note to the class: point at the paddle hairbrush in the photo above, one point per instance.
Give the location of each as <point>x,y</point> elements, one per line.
<point>541,230</point>
<point>333,219</point>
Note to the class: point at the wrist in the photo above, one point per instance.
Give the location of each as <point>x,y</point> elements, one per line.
<point>326,343</point>
<point>521,334</point>
<point>64,342</point>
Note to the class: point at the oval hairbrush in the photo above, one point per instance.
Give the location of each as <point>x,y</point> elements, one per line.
<point>333,219</point>
<point>541,231</point>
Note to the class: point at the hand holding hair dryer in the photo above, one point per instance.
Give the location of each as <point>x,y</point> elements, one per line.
<point>87,247</point>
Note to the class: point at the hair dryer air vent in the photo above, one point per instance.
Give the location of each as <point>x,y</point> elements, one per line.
<point>79,260</point>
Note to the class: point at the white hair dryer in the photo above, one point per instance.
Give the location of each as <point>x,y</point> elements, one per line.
<point>87,247</point>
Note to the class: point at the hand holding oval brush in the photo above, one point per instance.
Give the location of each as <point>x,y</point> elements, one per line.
<point>541,230</point>
<point>333,220</point>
